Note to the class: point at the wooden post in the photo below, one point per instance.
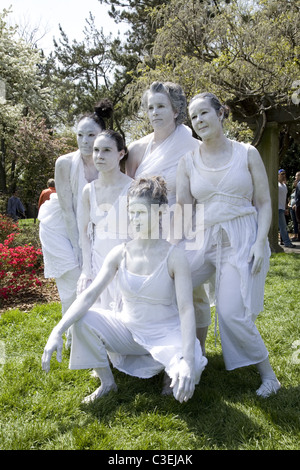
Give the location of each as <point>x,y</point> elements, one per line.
<point>269,151</point>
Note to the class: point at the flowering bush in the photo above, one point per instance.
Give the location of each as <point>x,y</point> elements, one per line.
<point>19,265</point>
<point>7,226</point>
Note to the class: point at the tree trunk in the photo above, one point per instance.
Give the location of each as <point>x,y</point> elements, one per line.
<point>269,150</point>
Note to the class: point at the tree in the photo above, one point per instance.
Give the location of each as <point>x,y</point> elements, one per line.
<point>32,151</point>
<point>80,73</point>
<point>130,54</point>
<point>22,88</point>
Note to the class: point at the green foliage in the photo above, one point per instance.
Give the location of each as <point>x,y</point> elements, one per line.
<point>41,411</point>
<point>80,72</point>
<point>32,152</point>
<point>28,147</point>
<point>246,53</point>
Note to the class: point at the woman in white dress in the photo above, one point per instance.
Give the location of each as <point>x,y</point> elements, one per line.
<point>155,330</point>
<point>159,153</point>
<point>228,182</point>
<point>58,217</point>
<point>104,202</point>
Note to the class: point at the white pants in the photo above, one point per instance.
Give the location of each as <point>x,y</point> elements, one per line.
<point>97,333</point>
<point>67,286</point>
<point>241,342</point>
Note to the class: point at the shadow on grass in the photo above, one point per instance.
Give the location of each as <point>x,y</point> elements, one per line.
<point>224,413</point>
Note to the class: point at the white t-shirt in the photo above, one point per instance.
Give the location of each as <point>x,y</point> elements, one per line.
<point>282,193</point>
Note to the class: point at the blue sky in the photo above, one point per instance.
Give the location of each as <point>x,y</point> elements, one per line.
<point>71,14</point>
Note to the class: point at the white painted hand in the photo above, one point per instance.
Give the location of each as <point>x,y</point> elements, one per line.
<point>183,383</point>
<point>54,343</point>
<point>257,255</point>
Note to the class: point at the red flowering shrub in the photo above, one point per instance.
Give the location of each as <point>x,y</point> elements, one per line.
<point>18,266</point>
<point>7,226</point>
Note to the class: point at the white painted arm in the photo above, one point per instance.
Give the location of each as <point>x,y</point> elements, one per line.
<point>64,194</point>
<point>184,381</point>
<point>262,202</point>
<point>81,305</point>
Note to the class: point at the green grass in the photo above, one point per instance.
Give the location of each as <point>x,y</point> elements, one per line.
<point>41,411</point>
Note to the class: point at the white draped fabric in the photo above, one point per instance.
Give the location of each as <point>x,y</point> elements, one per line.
<point>163,160</point>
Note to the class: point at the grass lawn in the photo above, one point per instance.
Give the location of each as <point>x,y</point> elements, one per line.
<point>41,411</point>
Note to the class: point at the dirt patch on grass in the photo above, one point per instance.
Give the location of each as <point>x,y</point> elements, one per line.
<point>24,301</point>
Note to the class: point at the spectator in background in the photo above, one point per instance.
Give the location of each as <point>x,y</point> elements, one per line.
<point>296,207</point>
<point>292,207</point>
<point>15,208</point>
<point>46,193</point>
<point>283,209</point>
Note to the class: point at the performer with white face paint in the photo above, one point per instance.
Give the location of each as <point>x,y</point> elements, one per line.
<point>155,330</point>
<point>102,222</point>
<point>159,153</point>
<point>229,180</point>
<point>59,233</point>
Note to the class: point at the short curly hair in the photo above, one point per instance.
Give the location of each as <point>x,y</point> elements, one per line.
<point>154,188</point>
<point>175,94</point>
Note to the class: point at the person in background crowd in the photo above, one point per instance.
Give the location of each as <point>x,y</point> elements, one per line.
<point>297,199</point>
<point>292,207</point>
<point>15,208</point>
<point>46,193</point>
<point>283,209</point>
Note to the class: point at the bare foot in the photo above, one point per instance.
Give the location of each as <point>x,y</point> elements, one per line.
<point>268,387</point>
<point>100,392</point>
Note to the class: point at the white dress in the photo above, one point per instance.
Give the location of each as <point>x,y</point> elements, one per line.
<point>107,229</point>
<point>144,337</point>
<point>226,228</point>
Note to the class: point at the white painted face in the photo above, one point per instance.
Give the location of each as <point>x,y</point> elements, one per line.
<point>106,155</point>
<point>205,120</point>
<point>87,131</point>
<point>143,217</point>
<point>160,111</point>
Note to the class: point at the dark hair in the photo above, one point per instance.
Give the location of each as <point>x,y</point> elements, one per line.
<point>175,94</point>
<point>153,188</point>
<point>102,110</point>
<point>119,140</point>
<point>120,143</point>
<point>214,101</point>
